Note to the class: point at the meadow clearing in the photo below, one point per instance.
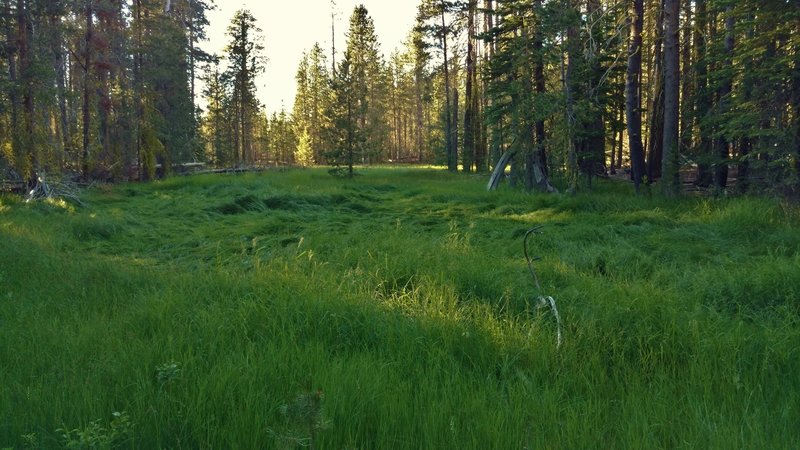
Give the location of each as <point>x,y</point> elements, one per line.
<point>396,311</point>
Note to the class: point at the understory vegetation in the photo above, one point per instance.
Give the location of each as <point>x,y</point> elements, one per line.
<point>395,310</point>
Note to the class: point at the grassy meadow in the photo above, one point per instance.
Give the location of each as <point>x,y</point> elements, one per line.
<point>396,311</point>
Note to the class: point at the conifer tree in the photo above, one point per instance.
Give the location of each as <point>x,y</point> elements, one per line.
<point>369,85</point>
<point>245,63</point>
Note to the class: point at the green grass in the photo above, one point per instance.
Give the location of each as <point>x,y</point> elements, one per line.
<point>199,307</point>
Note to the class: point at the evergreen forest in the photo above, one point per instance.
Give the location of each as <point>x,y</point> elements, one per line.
<point>703,94</point>
<point>534,224</point>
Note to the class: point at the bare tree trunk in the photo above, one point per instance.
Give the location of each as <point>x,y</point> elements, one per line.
<point>489,49</point>
<point>420,124</point>
<point>452,160</point>
<point>702,96</point>
<point>87,64</point>
<point>573,51</point>
<point>470,101</point>
<point>655,150</point>
<point>595,127</point>
<point>61,86</point>
<point>11,49</point>
<point>633,113</point>
<point>722,145</point>
<point>687,80</point>
<point>333,39</point>
<point>28,153</point>
<point>539,171</point>
<point>456,107</point>
<point>620,141</point>
<point>796,104</point>
<point>672,86</point>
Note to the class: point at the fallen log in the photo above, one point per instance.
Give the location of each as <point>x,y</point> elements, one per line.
<point>500,170</point>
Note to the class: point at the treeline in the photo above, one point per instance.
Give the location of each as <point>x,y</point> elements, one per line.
<point>566,88</point>
<point>99,88</point>
<point>576,87</point>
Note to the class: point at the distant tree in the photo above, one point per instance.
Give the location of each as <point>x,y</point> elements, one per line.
<point>434,19</point>
<point>216,127</point>
<point>672,86</point>
<point>245,63</point>
<point>345,133</point>
<point>282,141</point>
<point>369,83</point>
<point>311,98</point>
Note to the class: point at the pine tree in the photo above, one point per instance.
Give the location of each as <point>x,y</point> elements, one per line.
<point>671,148</point>
<point>311,98</point>
<point>633,100</point>
<point>345,133</point>
<point>434,19</point>
<point>245,63</point>
<point>369,85</point>
<point>216,128</point>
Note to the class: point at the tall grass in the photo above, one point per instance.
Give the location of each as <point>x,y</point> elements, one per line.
<point>201,309</point>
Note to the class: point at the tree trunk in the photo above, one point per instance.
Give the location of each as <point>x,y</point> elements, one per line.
<point>28,160</point>
<point>655,150</point>
<point>540,174</point>
<point>11,50</point>
<point>456,105</point>
<point>138,89</point>
<point>620,141</point>
<point>722,145</point>
<point>470,100</point>
<point>192,59</point>
<point>686,79</point>
<point>420,124</point>
<point>633,113</point>
<point>494,149</point>
<point>672,86</point>
<point>452,161</point>
<point>87,64</point>
<point>702,97</point>
<point>61,85</point>
<point>573,52</point>
<point>595,127</point>
<point>796,104</point>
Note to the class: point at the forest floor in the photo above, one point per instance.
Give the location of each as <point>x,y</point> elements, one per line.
<point>396,311</point>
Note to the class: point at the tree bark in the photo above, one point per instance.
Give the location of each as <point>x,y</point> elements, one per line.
<point>722,145</point>
<point>11,50</point>
<point>672,86</point>
<point>573,52</point>
<point>59,68</point>
<point>702,96</point>
<point>29,160</point>
<point>655,150</point>
<point>87,64</point>
<point>540,174</point>
<point>491,134</point>
<point>687,81</point>
<point>594,146</point>
<point>470,100</point>
<point>796,103</point>
<point>633,113</point>
<point>452,160</point>
<point>456,114</point>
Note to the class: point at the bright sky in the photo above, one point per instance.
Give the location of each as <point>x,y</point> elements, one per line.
<point>291,27</point>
